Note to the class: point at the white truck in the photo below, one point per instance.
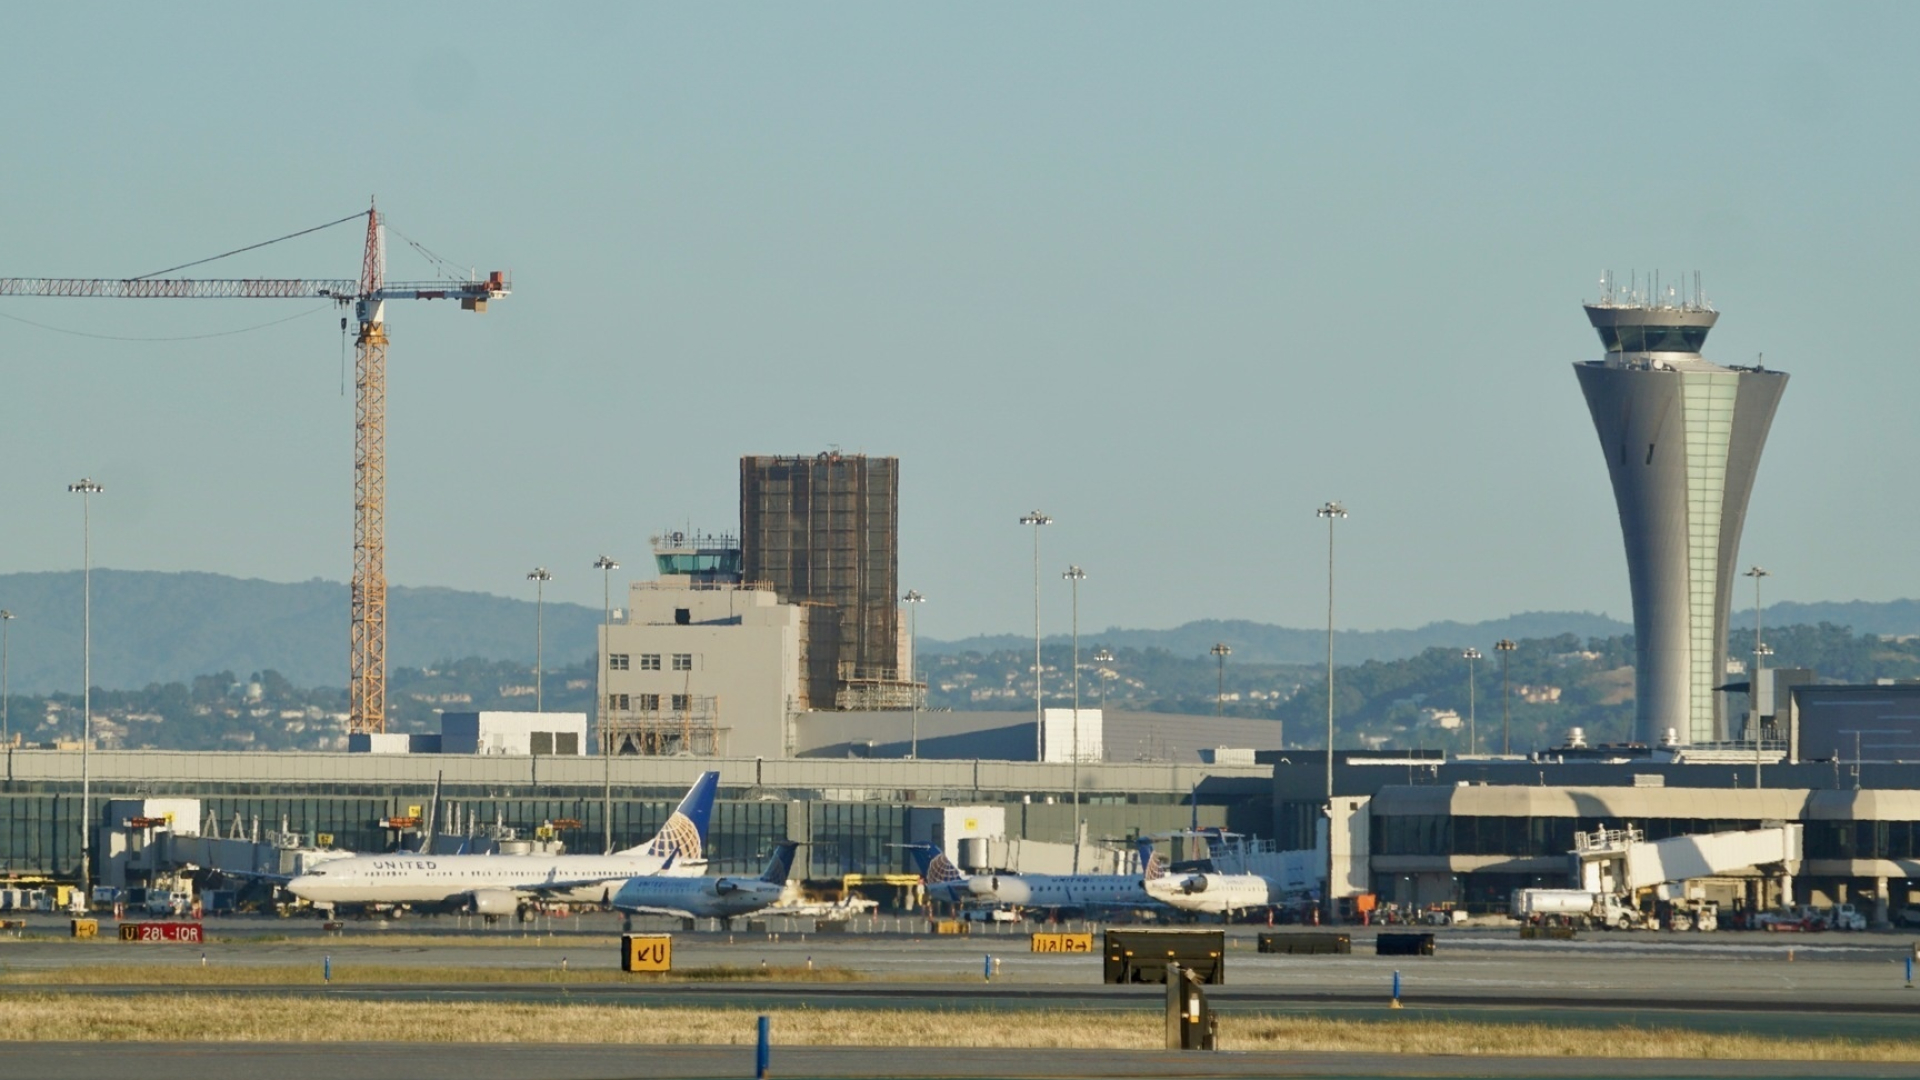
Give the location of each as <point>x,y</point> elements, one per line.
<point>1578,907</point>
<point>1694,913</point>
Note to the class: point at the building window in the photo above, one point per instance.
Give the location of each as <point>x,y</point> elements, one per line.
<point>682,661</point>
<point>650,661</point>
<point>682,702</point>
<point>683,616</point>
<point>617,661</point>
<point>618,702</point>
<point>649,702</point>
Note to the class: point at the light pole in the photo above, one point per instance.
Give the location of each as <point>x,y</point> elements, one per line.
<point>87,489</point>
<point>539,576</point>
<point>1473,737</point>
<point>1036,519</point>
<point>1333,512</point>
<point>1075,576</point>
<point>914,600</point>
<point>1103,655</point>
<point>606,566</point>
<point>1221,650</point>
<point>1505,648</point>
<point>6,732</point>
<point>1753,699</point>
<point>1761,650</point>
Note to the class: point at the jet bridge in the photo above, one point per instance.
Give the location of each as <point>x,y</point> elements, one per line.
<point>1623,862</point>
<point>1291,872</point>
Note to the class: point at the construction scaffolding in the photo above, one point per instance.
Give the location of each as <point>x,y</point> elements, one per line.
<point>825,530</point>
<point>692,729</point>
<point>872,691</point>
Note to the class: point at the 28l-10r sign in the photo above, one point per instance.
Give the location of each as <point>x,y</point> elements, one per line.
<point>188,932</point>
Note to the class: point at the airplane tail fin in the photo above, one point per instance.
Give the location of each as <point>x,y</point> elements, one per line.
<point>1152,867</point>
<point>780,865</point>
<point>934,865</point>
<point>685,833</point>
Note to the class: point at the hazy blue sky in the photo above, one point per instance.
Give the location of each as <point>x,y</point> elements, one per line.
<point>1175,274</point>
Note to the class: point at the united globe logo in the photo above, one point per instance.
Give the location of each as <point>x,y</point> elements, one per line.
<point>677,837</point>
<point>942,870</point>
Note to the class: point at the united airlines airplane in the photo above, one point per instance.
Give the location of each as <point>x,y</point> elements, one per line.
<point>502,884</point>
<point>1206,893</point>
<point>946,882</point>
<point>709,897</point>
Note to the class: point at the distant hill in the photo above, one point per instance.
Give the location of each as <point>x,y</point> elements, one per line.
<point>1268,644</point>
<point>165,627</point>
<point>1887,618</point>
<point>157,627</point>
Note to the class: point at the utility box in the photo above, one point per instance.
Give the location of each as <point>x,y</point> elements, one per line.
<point>1190,1023</point>
<point>1403,945</point>
<point>1142,956</point>
<point>646,952</point>
<point>1307,944</point>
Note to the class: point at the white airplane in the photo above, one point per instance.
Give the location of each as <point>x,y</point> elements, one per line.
<point>1207,893</point>
<point>709,897</point>
<point>502,884</point>
<point>1052,891</point>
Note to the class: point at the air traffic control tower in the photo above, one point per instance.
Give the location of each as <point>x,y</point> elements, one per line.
<point>1682,438</point>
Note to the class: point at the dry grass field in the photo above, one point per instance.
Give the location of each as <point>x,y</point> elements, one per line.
<point>33,1016</point>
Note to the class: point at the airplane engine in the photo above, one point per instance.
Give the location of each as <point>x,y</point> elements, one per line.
<point>1194,883</point>
<point>495,902</point>
<point>723,886</point>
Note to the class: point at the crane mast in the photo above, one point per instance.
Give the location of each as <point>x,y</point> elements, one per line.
<point>367,632</point>
<point>367,623</point>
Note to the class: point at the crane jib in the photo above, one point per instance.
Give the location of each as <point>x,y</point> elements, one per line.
<point>249,288</point>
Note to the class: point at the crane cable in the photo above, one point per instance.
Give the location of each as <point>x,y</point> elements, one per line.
<point>447,269</point>
<point>198,262</point>
<point>250,247</point>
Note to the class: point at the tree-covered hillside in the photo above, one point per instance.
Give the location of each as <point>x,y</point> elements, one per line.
<point>1555,683</point>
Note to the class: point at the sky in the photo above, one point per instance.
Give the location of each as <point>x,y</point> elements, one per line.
<point>1174,274</point>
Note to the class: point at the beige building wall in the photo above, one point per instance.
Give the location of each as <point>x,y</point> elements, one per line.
<point>719,662</point>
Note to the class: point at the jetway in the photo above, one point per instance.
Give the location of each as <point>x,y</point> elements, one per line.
<point>1290,872</point>
<point>145,842</point>
<point>1019,856</point>
<point>1623,862</point>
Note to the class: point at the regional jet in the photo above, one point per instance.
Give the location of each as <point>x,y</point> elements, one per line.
<point>1206,893</point>
<point>709,897</point>
<point>945,882</point>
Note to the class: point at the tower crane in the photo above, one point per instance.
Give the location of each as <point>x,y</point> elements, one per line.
<point>368,296</point>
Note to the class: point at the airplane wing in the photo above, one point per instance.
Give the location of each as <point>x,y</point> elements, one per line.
<point>647,909</point>
<point>257,875</point>
<point>557,885</point>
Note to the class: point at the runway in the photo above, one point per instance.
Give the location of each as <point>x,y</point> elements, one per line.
<point>1828,986</point>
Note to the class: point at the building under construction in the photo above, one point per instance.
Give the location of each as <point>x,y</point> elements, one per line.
<point>824,530</point>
